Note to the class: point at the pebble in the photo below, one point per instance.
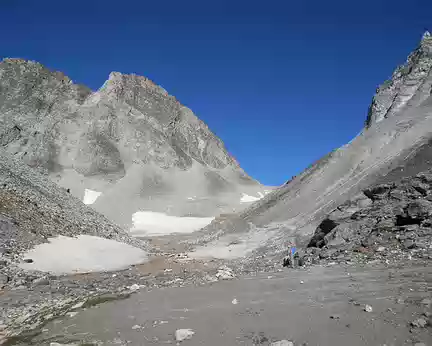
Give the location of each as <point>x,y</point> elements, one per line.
<point>134,287</point>
<point>136,326</point>
<point>72,314</point>
<point>183,334</point>
<point>368,308</point>
<point>234,301</point>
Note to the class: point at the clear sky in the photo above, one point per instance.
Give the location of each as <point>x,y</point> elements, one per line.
<point>281,82</point>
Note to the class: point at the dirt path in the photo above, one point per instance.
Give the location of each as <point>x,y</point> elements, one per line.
<point>314,307</point>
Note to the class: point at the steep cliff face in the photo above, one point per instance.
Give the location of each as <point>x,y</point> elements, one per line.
<point>394,143</point>
<point>130,142</point>
<point>409,86</point>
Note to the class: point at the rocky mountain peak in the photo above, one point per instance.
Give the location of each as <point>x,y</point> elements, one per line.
<point>410,85</point>
<point>130,140</point>
<point>122,84</point>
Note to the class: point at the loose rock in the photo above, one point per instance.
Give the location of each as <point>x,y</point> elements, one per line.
<point>419,323</point>
<point>282,343</point>
<point>183,334</point>
<point>368,308</point>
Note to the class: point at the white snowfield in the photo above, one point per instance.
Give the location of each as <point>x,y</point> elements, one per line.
<point>248,199</point>
<point>148,223</point>
<point>83,254</point>
<point>90,196</point>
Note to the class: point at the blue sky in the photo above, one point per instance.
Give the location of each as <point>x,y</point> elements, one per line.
<point>281,82</point>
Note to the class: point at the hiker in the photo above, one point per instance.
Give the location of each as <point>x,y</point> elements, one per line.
<point>288,261</point>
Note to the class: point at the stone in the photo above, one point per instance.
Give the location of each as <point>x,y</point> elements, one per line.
<point>4,279</point>
<point>134,287</point>
<point>225,273</point>
<point>71,314</point>
<point>41,281</point>
<point>282,343</point>
<point>426,301</point>
<point>419,323</point>
<point>183,334</point>
<point>368,308</point>
<point>378,191</point>
<point>409,244</point>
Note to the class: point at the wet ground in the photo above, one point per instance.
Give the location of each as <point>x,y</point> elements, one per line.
<point>322,306</point>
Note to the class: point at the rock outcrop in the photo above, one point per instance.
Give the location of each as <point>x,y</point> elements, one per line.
<point>409,86</point>
<point>130,142</point>
<point>391,222</point>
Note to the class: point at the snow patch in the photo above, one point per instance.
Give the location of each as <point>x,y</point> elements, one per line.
<point>90,196</point>
<point>83,254</point>
<point>148,223</point>
<point>248,199</point>
<point>233,246</point>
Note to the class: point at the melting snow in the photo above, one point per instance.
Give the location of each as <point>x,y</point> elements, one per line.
<point>86,253</point>
<point>148,223</point>
<point>247,199</point>
<point>90,196</point>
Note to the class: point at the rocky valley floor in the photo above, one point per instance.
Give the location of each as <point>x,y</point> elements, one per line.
<point>330,305</point>
<point>371,253</point>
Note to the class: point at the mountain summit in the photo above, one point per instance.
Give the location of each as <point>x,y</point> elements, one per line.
<point>409,86</point>
<point>129,146</point>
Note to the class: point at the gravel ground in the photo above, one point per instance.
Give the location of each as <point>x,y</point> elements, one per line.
<point>337,306</point>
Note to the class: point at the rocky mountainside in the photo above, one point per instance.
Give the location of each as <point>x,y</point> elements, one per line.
<point>130,144</point>
<point>34,209</point>
<point>387,221</point>
<point>395,143</point>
